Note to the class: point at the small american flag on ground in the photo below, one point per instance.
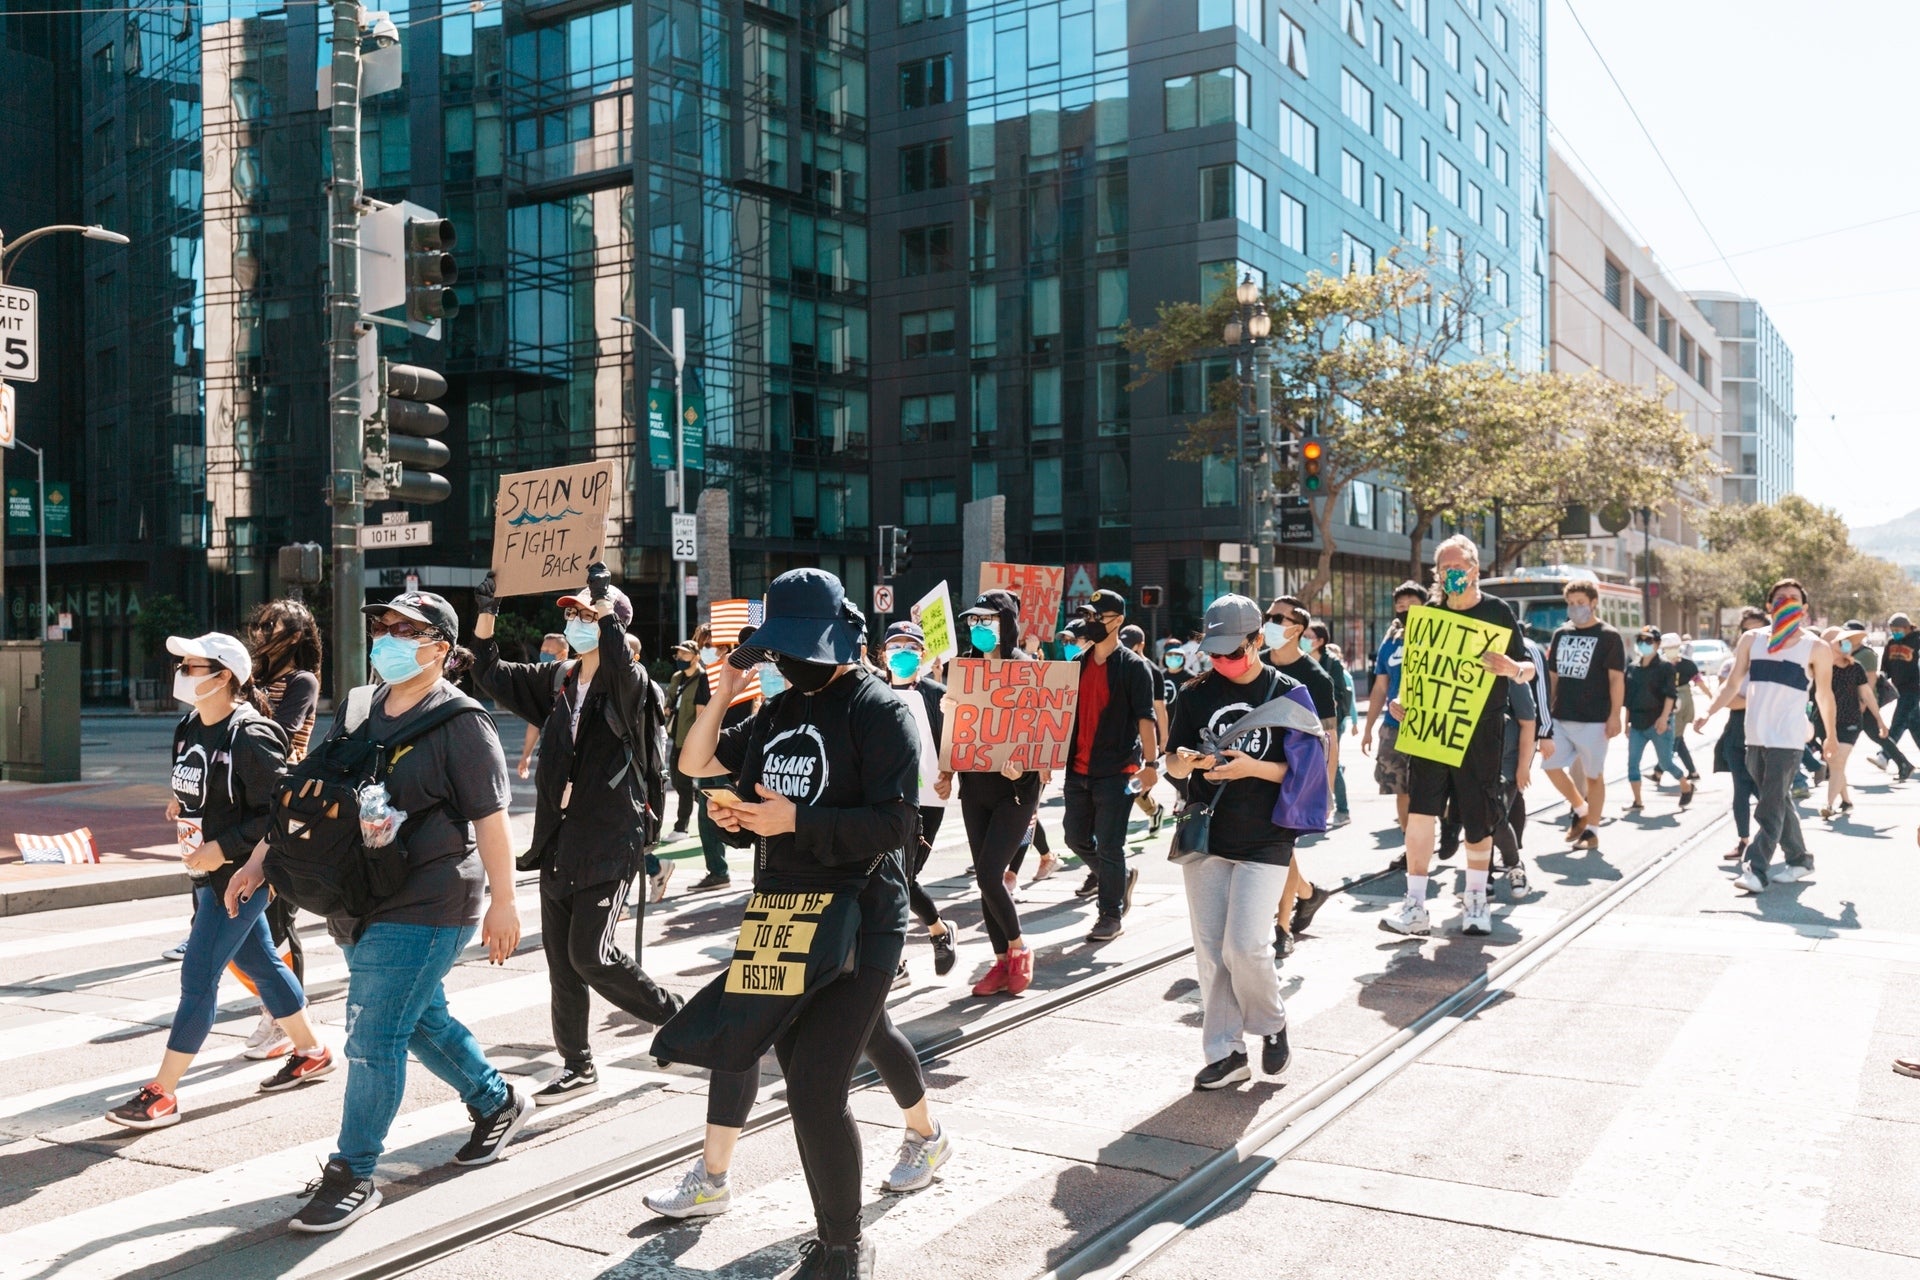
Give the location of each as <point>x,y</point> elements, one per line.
<point>726,620</point>
<point>72,847</point>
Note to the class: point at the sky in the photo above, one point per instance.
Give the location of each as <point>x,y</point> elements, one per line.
<point>1781,121</point>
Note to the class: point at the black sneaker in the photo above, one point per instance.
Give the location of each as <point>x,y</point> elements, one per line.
<point>1106,929</point>
<point>1126,901</point>
<point>1275,1054</point>
<point>822,1261</point>
<point>335,1198</point>
<point>1906,771</point>
<point>1229,1070</point>
<point>1282,942</point>
<point>1305,909</point>
<point>492,1133</point>
<point>1089,886</point>
<point>1156,819</point>
<point>901,978</point>
<point>568,1084</point>
<point>713,880</point>
<point>943,952</point>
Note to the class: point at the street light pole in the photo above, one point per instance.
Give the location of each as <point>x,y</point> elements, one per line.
<point>1246,334</point>
<point>346,493</point>
<point>92,232</point>
<point>678,354</point>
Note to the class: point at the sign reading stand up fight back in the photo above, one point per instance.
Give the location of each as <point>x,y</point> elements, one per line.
<point>1443,683</point>
<point>1009,712</point>
<point>1040,588</point>
<point>548,526</point>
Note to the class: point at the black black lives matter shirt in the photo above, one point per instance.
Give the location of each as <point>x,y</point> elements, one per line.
<point>1242,827</point>
<point>849,759</point>
<point>1304,670</point>
<point>1582,657</point>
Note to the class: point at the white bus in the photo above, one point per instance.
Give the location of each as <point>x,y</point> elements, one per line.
<point>1536,599</point>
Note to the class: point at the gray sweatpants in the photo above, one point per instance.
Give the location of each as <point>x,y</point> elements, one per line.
<point>1231,906</point>
<point>1773,812</point>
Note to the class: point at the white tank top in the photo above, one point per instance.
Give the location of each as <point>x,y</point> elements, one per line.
<point>1777,690</point>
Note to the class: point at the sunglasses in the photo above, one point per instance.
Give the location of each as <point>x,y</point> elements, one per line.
<point>1284,619</point>
<point>402,630</point>
<point>196,667</point>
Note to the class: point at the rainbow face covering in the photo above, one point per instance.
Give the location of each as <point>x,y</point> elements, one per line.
<point>1786,625</point>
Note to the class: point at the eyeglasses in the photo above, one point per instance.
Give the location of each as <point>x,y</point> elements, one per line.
<point>403,630</point>
<point>572,614</point>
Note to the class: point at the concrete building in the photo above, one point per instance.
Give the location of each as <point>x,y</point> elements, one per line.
<point>1756,399</point>
<point>1615,312</point>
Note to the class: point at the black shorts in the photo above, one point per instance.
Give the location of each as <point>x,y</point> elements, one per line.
<point>1478,796</point>
<point>1848,734</point>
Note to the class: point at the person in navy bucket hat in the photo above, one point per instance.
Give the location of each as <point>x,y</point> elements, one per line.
<point>809,618</point>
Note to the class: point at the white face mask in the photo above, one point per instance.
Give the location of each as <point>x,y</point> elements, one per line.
<point>186,688</point>
<point>709,656</point>
<point>1273,635</point>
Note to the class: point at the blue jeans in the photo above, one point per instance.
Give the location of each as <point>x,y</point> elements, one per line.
<point>215,941</point>
<point>1095,824</point>
<point>395,1003</point>
<point>1637,740</point>
<point>1906,718</point>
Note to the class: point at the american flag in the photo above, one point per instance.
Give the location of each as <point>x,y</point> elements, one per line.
<point>726,620</point>
<point>69,848</point>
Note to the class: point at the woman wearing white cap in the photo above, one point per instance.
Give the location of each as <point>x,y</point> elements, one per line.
<point>227,756</point>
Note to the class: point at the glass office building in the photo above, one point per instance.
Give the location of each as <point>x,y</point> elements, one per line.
<point>1756,399</point>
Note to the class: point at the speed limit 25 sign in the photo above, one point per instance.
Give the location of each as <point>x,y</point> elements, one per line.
<point>19,334</point>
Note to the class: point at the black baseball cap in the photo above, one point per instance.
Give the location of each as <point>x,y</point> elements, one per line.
<point>1105,601</point>
<point>906,630</point>
<point>994,602</point>
<point>423,607</point>
<point>1132,635</point>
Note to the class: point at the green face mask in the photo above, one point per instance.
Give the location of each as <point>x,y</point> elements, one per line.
<point>984,638</point>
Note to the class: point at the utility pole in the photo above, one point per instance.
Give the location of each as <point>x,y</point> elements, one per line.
<point>677,486</point>
<point>346,493</point>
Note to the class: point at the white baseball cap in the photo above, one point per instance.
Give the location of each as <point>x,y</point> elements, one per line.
<point>1671,640</point>
<point>218,648</point>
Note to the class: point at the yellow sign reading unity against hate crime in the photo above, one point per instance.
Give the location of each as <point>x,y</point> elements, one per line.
<point>1443,683</point>
<point>770,955</point>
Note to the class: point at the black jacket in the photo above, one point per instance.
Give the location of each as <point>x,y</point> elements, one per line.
<point>599,835</point>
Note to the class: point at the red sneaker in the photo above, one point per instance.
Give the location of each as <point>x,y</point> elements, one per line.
<point>996,980</point>
<point>1019,970</point>
<point>298,1068</point>
<point>151,1108</point>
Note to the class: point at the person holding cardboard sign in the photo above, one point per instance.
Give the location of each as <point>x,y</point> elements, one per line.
<point>1456,748</point>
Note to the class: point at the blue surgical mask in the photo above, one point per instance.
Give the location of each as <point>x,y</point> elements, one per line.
<point>546,657</point>
<point>984,638</point>
<point>904,663</point>
<point>1846,646</point>
<point>709,655</point>
<point>1643,648</point>
<point>1454,582</point>
<point>1896,635</point>
<point>583,636</point>
<point>395,660</point>
<point>771,681</point>
<point>1272,634</point>
<point>1175,661</point>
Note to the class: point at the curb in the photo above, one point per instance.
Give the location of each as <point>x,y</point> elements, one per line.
<point>26,897</point>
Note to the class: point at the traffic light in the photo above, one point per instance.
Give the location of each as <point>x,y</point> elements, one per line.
<point>411,423</point>
<point>1150,597</point>
<point>902,551</point>
<point>430,271</point>
<point>1310,457</point>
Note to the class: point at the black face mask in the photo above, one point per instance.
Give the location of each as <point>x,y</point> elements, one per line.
<point>807,677</point>
<point>1093,631</point>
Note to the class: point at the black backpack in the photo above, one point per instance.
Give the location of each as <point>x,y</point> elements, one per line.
<point>642,732</point>
<point>315,857</point>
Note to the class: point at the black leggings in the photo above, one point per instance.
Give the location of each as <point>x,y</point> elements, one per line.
<point>1681,753</point>
<point>923,909</point>
<point>817,1055</point>
<point>994,833</point>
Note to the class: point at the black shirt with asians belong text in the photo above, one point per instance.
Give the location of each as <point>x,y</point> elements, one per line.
<point>1242,828</point>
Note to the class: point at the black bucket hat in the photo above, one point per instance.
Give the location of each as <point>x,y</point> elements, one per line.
<point>810,618</point>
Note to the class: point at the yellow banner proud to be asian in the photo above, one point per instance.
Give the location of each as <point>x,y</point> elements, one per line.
<point>776,936</point>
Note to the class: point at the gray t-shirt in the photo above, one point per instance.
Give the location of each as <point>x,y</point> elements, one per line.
<point>460,768</point>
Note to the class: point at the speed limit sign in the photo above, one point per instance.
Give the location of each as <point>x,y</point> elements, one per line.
<point>686,538</point>
<point>883,599</point>
<point>19,334</point>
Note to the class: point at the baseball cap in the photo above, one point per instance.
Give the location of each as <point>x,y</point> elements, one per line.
<point>218,648</point>
<point>994,602</point>
<point>905,630</point>
<point>1105,601</point>
<point>1650,634</point>
<point>424,607</point>
<point>1670,640</point>
<point>1132,635</point>
<point>1853,624</point>
<point>583,599</point>
<point>1230,620</point>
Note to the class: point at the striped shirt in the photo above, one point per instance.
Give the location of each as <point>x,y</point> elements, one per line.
<point>1777,689</point>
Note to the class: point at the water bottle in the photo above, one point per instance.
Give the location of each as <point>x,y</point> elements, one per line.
<point>379,820</point>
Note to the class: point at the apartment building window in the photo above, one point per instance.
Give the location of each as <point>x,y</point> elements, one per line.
<point>983,323</point>
<point>926,250</point>
<point>1502,230</point>
<point>1419,225</point>
<point>1113,402</point>
<point>1110,296</point>
<point>1293,223</point>
<point>1356,100</point>
<point>1392,130</point>
<point>1479,79</point>
<point>1417,81</point>
<point>1379,44</point>
<point>1480,144</point>
<point>103,147</point>
<point>1353,20</point>
<point>1378,203</point>
<point>1473,201</point>
<point>926,419</point>
<point>1640,301</point>
<point>926,333</point>
<point>1356,256</point>
<point>1110,212</point>
<point>1482,274</point>
<point>1501,288</point>
<point>1501,107</point>
<point>1299,139</point>
<point>980,249</point>
<point>926,82</point>
<point>1044,404</point>
<point>1211,97</point>
<point>1500,164</point>
<point>1450,43</point>
<point>912,11</point>
<point>102,71</point>
<point>1446,176</point>
<point>1360,505</point>
<point>1704,375</point>
<point>1046,493</point>
<point>1226,273</point>
<point>1666,333</point>
<point>1418,13</point>
<point>1218,482</point>
<point>1610,283</point>
<point>1399,212</point>
<point>1352,181</point>
<point>1248,15</point>
<point>1500,27</point>
<point>930,501</point>
<point>984,397</point>
<point>1455,254</point>
<point>1233,191</point>
<point>1451,112</point>
<point>1043,311</point>
<point>926,166</point>
<point>1686,353</point>
<point>1293,46</point>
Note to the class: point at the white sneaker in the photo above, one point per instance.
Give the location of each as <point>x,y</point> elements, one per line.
<point>1747,882</point>
<point>177,952</point>
<point>267,1040</point>
<point>697,1196</point>
<point>1517,881</point>
<point>1477,919</point>
<point>1879,761</point>
<point>1409,918</point>
<point>657,883</point>
<point>1790,874</point>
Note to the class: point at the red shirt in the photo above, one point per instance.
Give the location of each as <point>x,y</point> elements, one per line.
<point>1095,689</point>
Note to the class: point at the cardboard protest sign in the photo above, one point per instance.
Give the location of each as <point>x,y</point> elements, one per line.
<point>1443,683</point>
<point>1009,712</point>
<point>1039,588</point>
<point>548,526</point>
<point>934,612</point>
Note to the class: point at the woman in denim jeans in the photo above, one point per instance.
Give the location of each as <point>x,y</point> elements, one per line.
<point>453,783</point>
<point>1652,692</point>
